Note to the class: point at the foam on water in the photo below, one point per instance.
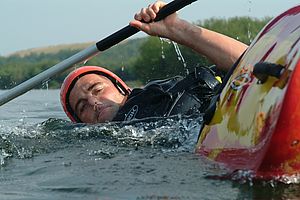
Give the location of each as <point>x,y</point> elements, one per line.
<point>169,134</point>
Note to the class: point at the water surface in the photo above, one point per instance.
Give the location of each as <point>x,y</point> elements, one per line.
<point>44,156</point>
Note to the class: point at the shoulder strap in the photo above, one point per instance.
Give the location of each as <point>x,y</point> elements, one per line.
<point>201,75</point>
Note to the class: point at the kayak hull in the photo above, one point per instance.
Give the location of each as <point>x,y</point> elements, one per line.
<point>256,125</point>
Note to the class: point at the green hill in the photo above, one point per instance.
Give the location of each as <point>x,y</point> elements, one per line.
<point>51,49</point>
<point>25,64</point>
<point>111,57</point>
<point>137,60</point>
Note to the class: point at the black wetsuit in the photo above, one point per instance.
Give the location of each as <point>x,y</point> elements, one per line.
<point>173,96</point>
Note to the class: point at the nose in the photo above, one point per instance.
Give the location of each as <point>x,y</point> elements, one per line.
<point>94,101</point>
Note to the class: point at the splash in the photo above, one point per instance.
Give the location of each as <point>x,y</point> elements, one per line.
<point>166,134</point>
<point>177,50</point>
<point>250,177</point>
<point>3,156</point>
<point>243,176</point>
<point>290,179</point>
<point>179,54</point>
<point>46,85</point>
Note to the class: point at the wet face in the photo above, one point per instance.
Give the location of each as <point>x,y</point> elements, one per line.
<point>94,98</point>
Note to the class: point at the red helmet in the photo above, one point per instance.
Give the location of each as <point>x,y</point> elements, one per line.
<point>75,75</point>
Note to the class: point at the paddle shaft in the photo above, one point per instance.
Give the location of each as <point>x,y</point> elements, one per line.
<point>85,54</point>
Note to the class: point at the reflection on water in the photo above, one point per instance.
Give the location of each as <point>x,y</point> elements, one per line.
<point>44,156</point>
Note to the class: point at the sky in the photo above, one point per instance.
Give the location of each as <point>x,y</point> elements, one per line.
<point>29,24</point>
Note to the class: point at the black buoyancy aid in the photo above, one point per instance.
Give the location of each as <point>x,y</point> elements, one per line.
<point>173,96</point>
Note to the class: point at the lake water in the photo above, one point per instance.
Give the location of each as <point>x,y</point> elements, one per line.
<point>43,157</point>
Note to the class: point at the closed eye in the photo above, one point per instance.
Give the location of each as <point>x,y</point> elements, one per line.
<point>96,84</point>
<point>97,88</point>
<point>80,106</point>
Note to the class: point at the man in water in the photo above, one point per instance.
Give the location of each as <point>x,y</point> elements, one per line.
<point>95,95</point>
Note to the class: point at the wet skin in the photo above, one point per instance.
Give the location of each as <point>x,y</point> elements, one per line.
<point>95,99</point>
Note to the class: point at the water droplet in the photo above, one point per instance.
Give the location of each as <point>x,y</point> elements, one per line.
<point>177,50</point>
<point>179,55</point>
<point>46,85</point>
<point>162,48</point>
<point>85,62</point>
<point>295,142</point>
<point>67,164</point>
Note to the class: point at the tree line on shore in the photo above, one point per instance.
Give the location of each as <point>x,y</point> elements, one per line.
<point>136,61</point>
